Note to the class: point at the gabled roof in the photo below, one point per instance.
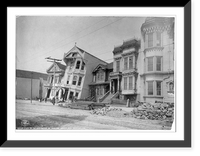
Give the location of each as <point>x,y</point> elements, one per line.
<point>108,66</point>
<point>59,65</point>
<point>98,66</point>
<point>30,74</point>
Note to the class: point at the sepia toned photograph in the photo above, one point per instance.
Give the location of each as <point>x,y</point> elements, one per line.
<point>95,72</point>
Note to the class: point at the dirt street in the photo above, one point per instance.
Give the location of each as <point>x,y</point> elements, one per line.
<point>40,115</point>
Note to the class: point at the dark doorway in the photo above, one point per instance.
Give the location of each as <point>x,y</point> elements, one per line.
<point>71,95</point>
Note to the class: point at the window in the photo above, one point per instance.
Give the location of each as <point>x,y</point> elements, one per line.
<point>150,64</point>
<point>97,91</point>
<point>158,41</point>
<point>82,66</point>
<point>130,83</point>
<point>130,62</point>
<point>68,79</point>
<point>171,86</point>
<point>117,66</point>
<point>78,64</point>
<point>102,75</point>
<point>76,95</point>
<point>158,87</point>
<point>158,63</point>
<point>74,80</point>
<point>150,88</point>
<point>126,63</point>
<point>150,40</point>
<point>79,81</point>
<point>101,91</point>
<point>125,83</point>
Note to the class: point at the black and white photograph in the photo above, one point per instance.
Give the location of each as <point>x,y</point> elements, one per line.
<point>95,72</point>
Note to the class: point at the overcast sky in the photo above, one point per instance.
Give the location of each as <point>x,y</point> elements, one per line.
<point>38,37</point>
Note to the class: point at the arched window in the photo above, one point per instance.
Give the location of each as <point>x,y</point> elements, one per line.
<point>78,64</point>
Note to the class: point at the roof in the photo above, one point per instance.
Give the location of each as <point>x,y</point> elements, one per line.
<point>30,74</point>
<point>109,65</point>
<point>80,49</point>
<point>61,66</point>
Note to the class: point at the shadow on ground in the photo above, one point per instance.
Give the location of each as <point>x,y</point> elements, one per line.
<point>47,122</point>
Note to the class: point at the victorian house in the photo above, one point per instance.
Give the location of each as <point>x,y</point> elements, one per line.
<point>100,85</point>
<point>125,74</point>
<point>55,74</point>
<point>157,60</point>
<point>78,72</point>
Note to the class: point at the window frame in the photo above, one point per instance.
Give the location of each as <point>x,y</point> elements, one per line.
<point>125,63</point>
<point>130,66</point>
<point>160,57</point>
<point>148,58</point>
<point>150,40</point>
<point>78,63</point>
<point>158,38</point>
<point>159,89</point>
<point>148,82</point>
<point>130,83</point>
<point>74,80</point>
<point>125,83</point>
<point>79,81</point>
<point>117,65</point>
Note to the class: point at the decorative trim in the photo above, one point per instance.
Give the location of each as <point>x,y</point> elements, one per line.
<point>130,73</point>
<point>117,58</point>
<point>153,49</point>
<point>129,53</point>
<point>157,73</point>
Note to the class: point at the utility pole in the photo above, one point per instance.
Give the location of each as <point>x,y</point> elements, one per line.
<point>49,59</point>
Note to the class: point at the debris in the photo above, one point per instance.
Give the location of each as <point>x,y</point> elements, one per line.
<point>104,110</point>
<point>156,111</point>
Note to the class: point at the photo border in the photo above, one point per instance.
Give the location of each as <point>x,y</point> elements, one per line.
<point>124,143</point>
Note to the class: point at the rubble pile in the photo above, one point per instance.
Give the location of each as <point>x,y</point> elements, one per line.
<point>156,111</point>
<point>104,110</point>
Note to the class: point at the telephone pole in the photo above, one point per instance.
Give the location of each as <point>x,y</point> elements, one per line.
<point>49,59</point>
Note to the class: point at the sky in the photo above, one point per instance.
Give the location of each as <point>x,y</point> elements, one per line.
<point>38,37</point>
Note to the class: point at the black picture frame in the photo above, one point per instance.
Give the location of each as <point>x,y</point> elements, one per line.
<point>123,143</point>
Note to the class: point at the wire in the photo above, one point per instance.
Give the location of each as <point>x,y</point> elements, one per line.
<point>75,40</point>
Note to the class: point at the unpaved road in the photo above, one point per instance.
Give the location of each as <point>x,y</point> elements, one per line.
<point>48,116</point>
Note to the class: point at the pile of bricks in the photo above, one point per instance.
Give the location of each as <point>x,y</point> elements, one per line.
<point>104,110</point>
<point>156,111</point>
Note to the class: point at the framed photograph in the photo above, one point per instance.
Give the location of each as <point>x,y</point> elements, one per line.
<point>104,77</point>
